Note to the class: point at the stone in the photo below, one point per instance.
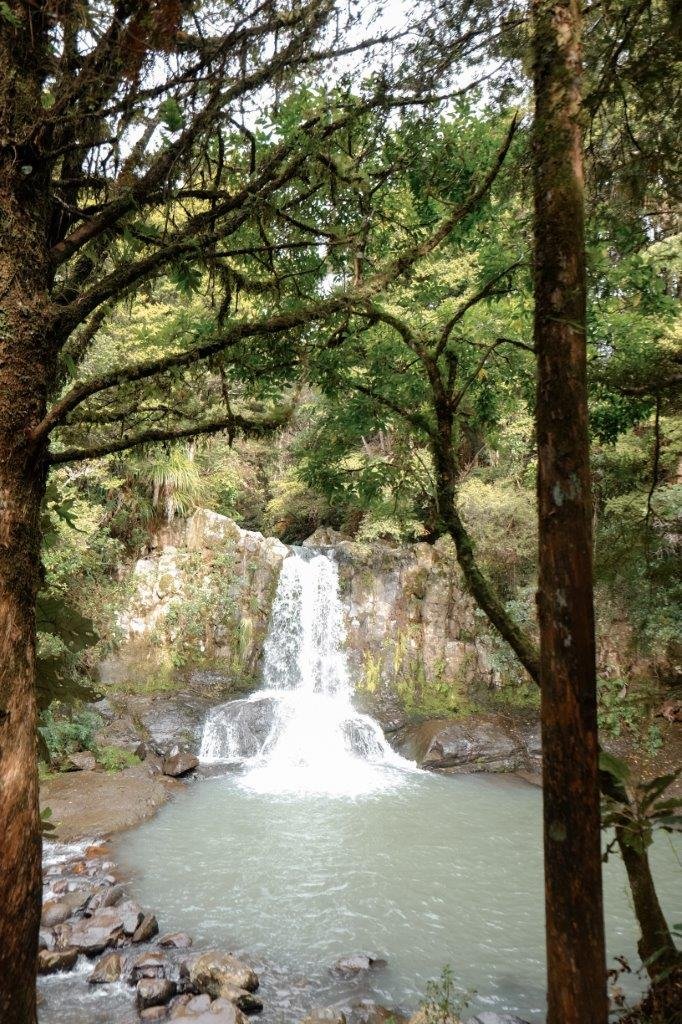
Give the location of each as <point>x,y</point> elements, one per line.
<point>147,965</point>
<point>52,960</point>
<point>106,970</point>
<point>325,1015</point>
<point>92,935</point>
<point>246,1001</point>
<point>60,887</point>
<point>82,761</point>
<point>154,992</point>
<point>221,1011</point>
<point>154,1013</point>
<point>179,762</point>
<point>147,929</point>
<point>178,1004</point>
<point>471,743</point>
<point>105,896</point>
<point>131,915</point>
<point>357,963</point>
<point>215,973</point>
<point>57,911</point>
<point>176,940</point>
<point>198,1004</point>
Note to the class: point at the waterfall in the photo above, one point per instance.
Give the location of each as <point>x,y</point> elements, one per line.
<point>300,732</point>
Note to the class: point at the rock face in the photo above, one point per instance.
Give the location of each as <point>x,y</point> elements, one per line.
<point>208,561</point>
<point>473,743</point>
<point>409,618</point>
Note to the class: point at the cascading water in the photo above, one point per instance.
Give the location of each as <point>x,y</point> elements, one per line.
<point>300,732</point>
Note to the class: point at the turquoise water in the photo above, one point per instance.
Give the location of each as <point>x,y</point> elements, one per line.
<point>436,871</point>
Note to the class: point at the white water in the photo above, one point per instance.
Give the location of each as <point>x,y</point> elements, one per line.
<point>300,733</point>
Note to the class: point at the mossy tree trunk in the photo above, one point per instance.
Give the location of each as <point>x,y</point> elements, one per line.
<point>27,365</point>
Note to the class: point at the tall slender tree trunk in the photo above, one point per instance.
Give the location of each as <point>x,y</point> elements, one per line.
<point>576,960</point>
<point>27,366</point>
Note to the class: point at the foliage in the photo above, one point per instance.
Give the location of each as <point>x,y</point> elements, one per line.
<point>65,731</point>
<point>115,759</point>
<point>647,810</point>
<point>444,1002</point>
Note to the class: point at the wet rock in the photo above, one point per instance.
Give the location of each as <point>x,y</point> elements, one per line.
<point>178,1004</point>
<point>57,911</point>
<point>154,1013</point>
<point>147,965</point>
<point>154,992</point>
<point>247,721</point>
<point>197,1004</point>
<point>325,1015</point>
<point>473,743</point>
<point>82,761</point>
<point>179,762</point>
<point>176,940</point>
<point>105,896</point>
<point>60,887</point>
<point>131,915</point>
<point>221,1011</point>
<point>357,963</point>
<point>246,1001</point>
<point>45,939</point>
<point>147,929</point>
<point>215,973</point>
<point>107,969</point>
<point>92,935</point>
<point>52,960</point>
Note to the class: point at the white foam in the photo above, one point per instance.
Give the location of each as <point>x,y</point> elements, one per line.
<point>317,742</point>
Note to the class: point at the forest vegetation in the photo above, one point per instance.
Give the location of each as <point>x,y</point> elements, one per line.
<point>296,263</point>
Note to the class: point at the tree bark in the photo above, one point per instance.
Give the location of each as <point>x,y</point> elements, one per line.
<point>576,959</point>
<point>26,366</point>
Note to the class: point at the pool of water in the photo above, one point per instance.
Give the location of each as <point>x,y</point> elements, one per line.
<point>436,871</point>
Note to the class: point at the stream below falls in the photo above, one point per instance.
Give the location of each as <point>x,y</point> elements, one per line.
<point>439,870</point>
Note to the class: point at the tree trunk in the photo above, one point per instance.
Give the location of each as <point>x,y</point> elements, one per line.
<point>27,365</point>
<point>576,959</point>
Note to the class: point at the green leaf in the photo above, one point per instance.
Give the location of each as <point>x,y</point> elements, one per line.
<point>618,769</point>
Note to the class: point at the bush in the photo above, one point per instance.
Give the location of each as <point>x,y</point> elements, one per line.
<point>67,733</point>
<point>115,759</point>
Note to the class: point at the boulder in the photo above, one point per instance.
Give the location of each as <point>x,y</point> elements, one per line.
<point>325,1015</point>
<point>179,762</point>
<point>147,929</point>
<point>154,1013</point>
<point>239,728</point>
<point>220,1011</point>
<point>470,744</point>
<point>82,761</point>
<point>176,940</point>
<point>105,896</point>
<point>246,1001</point>
<point>52,960</point>
<point>106,970</point>
<point>92,935</point>
<point>57,911</point>
<point>147,965</point>
<point>154,992</point>
<point>131,914</point>
<point>218,973</point>
<point>356,963</point>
